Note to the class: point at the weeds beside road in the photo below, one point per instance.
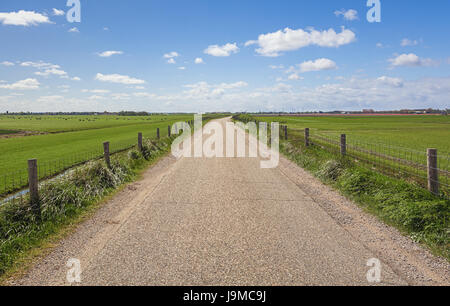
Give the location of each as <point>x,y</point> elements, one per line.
<point>407,206</point>
<point>67,199</point>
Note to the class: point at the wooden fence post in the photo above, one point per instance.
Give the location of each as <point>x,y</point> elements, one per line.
<point>307,137</point>
<point>157,133</point>
<point>343,145</point>
<point>34,186</point>
<point>168,131</point>
<point>140,141</point>
<point>432,171</point>
<point>285,132</point>
<point>106,154</point>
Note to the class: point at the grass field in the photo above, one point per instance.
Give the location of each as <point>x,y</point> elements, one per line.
<point>415,132</point>
<point>72,138</point>
<point>394,145</point>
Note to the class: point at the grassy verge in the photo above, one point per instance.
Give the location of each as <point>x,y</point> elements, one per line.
<point>65,202</point>
<point>413,210</point>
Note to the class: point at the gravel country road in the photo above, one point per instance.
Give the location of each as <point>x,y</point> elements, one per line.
<point>226,221</point>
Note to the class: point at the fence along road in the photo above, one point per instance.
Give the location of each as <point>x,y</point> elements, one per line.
<point>213,221</point>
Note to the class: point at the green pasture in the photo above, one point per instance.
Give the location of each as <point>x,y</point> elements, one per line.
<point>55,124</point>
<point>414,132</point>
<point>63,149</point>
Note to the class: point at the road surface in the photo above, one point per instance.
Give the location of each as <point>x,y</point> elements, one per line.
<point>226,221</point>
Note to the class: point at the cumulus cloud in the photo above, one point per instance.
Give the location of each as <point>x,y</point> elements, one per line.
<point>74,30</point>
<point>39,65</point>
<point>410,60</point>
<point>52,71</point>
<point>182,68</point>
<point>23,18</point>
<point>109,53</point>
<point>295,76</point>
<point>46,69</point>
<point>6,63</point>
<point>222,51</point>
<point>395,82</point>
<point>75,79</point>
<point>203,90</point>
<point>273,44</point>
<point>96,91</point>
<point>276,66</point>
<point>349,15</point>
<point>143,95</point>
<point>96,97</point>
<point>199,60</point>
<point>408,43</point>
<point>117,78</point>
<point>318,65</point>
<point>53,99</point>
<point>171,55</point>
<point>27,84</point>
<point>120,96</point>
<point>57,12</point>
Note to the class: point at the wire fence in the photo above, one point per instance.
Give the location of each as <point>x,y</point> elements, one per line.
<point>396,161</point>
<point>14,181</point>
<point>14,184</point>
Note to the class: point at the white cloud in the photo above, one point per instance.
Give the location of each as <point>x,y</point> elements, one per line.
<point>396,82</point>
<point>46,69</point>
<point>272,44</point>
<point>379,45</point>
<point>203,90</point>
<point>96,91</point>
<point>318,65</point>
<point>27,84</point>
<point>349,15</point>
<point>117,78</point>
<point>109,53</point>
<point>199,60</point>
<point>276,66</point>
<point>171,55</point>
<point>6,63</point>
<point>53,99</point>
<point>23,18</point>
<point>57,12</point>
<point>181,68</point>
<point>75,79</point>
<point>40,65</point>
<point>143,95</point>
<point>295,76</point>
<point>222,51</point>
<point>239,84</point>
<point>410,60</point>
<point>408,43</point>
<point>96,97</point>
<point>52,71</point>
<point>74,30</point>
<point>120,96</point>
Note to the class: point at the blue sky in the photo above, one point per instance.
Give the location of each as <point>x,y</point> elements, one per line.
<point>213,55</point>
